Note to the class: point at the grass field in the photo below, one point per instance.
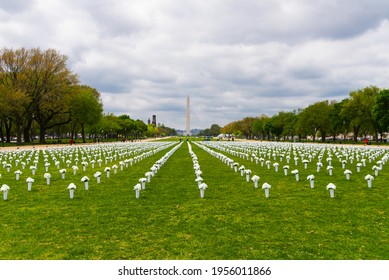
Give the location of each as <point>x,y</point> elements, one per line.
<point>170,221</point>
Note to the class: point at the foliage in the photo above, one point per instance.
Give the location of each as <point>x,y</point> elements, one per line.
<point>242,127</point>
<point>337,123</point>
<point>315,118</point>
<point>380,110</point>
<point>109,125</point>
<point>364,113</point>
<point>48,83</point>
<point>127,125</point>
<point>278,124</point>
<point>37,87</point>
<point>86,108</point>
<point>166,131</point>
<point>258,126</point>
<point>160,131</point>
<point>214,130</point>
<point>357,109</point>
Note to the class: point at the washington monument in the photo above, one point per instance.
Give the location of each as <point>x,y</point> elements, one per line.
<point>187,116</point>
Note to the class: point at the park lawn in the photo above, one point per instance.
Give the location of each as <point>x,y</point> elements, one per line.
<point>170,221</point>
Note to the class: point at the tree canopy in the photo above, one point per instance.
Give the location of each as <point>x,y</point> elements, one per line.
<point>364,112</point>
<point>40,84</point>
<point>38,93</point>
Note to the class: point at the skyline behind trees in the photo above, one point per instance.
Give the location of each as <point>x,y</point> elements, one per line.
<point>39,94</point>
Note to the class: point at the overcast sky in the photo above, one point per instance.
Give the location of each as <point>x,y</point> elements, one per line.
<point>234,58</point>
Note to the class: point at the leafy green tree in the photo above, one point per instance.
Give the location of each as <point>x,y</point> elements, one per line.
<point>380,110</point>
<point>358,109</point>
<point>49,85</point>
<point>281,124</point>
<point>286,120</point>
<point>139,128</point>
<point>276,125</point>
<point>5,111</point>
<point>258,127</point>
<point>215,129</point>
<point>166,131</point>
<point>205,132</point>
<point>268,129</point>
<point>245,126</point>
<point>290,124</point>
<point>38,89</point>
<point>15,103</point>
<point>229,128</point>
<point>323,110</point>
<point>337,122</point>
<point>315,119</point>
<point>152,130</point>
<point>109,125</point>
<point>86,108</point>
<point>127,125</point>
<point>300,127</point>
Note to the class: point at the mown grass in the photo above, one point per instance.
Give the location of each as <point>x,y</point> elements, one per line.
<point>171,221</point>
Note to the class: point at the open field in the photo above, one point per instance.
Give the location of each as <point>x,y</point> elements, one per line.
<point>170,221</point>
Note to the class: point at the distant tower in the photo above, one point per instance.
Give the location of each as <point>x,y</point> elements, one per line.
<point>188,116</point>
<point>155,120</point>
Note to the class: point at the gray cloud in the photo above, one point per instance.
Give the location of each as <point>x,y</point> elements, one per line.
<point>15,6</point>
<point>234,58</point>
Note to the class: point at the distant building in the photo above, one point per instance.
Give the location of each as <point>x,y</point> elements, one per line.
<point>154,120</point>
<point>196,131</point>
<point>193,132</point>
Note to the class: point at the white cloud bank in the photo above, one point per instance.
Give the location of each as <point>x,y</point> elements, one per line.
<point>234,58</point>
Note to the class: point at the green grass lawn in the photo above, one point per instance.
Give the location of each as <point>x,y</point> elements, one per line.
<point>170,221</point>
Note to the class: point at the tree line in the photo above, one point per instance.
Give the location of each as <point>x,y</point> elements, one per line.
<point>40,95</point>
<point>364,113</point>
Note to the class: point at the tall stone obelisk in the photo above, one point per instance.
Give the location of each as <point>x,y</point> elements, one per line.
<point>188,116</point>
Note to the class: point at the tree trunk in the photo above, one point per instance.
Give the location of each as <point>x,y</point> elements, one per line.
<point>26,135</point>
<point>356,130</point>
<point>83,133</point>
<point>26,131</point>
<point>19,136</point>
<point>8,127</point>
<point>42,132</point>
<point>2,132</point>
